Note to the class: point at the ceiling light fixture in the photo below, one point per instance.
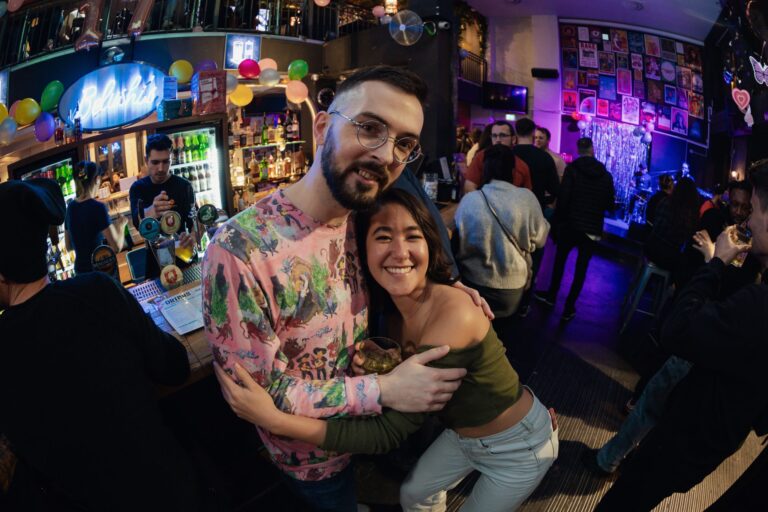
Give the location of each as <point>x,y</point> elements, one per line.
<point>633,5</point>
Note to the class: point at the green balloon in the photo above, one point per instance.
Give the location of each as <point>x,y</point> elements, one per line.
<point>298,69</point>
<point>49,100</point>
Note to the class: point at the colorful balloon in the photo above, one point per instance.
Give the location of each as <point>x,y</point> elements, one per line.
<point>296,91</point>
<point>91,35</point>
<point>249,68</point>
<point>322,3</point>
<point>267,64</point>
<point>12,110</point>
<point>44,127</point>
<point>269,77</point>
<point>379,11</point>
<point>7,130</point>
<point>231,83</point>
<point>206,65</point>
<point>15,5</point>
<point>241,96</point>
<point>182,70</point>
<point>27,111</point>
<point>3,112</point>
<point>49,100</point>
<point>298,69</point>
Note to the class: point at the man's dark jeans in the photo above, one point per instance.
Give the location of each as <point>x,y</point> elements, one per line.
<point>335,494</point>
<point>568,239</point>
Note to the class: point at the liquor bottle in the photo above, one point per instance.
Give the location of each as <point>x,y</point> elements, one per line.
<point>208,176</point>
<point>58,133</point>
<point>193,180</point>
<point>253,167</point>
<point>201,178</point>
<point>264,130</point>
<point>204,146</point>
<point>263,170</point>
<point>288,165</point>
<point>270,134</point>
<point>295,126</point>
<point>248,136</point>
<point>271,166</point>
<point>280,166</point>
<point>181,154</point>
<point>78,133</point>
<point>279,131</point>
<point>230,135</point>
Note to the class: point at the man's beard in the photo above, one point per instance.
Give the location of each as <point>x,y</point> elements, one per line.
<point>353,196</point>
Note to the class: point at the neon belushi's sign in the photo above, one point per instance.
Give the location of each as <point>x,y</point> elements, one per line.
<point>113,96</point>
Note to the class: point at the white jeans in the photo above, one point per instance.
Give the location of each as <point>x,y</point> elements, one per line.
<point>511,463</point>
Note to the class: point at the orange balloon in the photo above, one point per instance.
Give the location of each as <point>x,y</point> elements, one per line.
<point>296,91</point>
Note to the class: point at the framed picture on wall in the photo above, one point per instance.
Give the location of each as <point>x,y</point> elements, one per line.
<point>663,116</point>
<point>682,98</point>
<point>587,102</point>
<point>596,34</point>
<point>624,81</point>
<point>607,46</point>
<point>622,60</point>
<point>636,42</point>
<point>652,46</point>
<point>570,58</point>
<point>668,72</point>
<point>683,77</point>
<point>681,60</point>
<point>607,89</point>
<point>615,111</point>
<point>668,49</point>
<point>679,48</point>
<point>679,121</point>
<point>603,108</point>
<point>619,42</point>
<point>587,55</point>
<point>697,83</point>
<point>648,111</point>
<point>593,80</point>
<point>696,105</point>
<point>637,61</point>
<point>638,89</point>
<point>638,74</point>
<point>570,79</point>
<point>582,78</point>
<point>654,91</point>
<point>583,34</point>
<point>570,101</point>
<point>630,110</point>
<point>607,63</point>
<point>652,67</point>
<point>670,95</point>
<point>693,57</point>
<point>568,36</point>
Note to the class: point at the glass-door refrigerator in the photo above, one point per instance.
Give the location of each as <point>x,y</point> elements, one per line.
<point>198,156</point>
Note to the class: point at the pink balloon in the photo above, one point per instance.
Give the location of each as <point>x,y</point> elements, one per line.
<point>15,5</point>
<point>379,11</point>
<point>296,91</point>
<point>249,68</point>
<point>267,64</point>
<point>44,127</point>
<point>12,110</point>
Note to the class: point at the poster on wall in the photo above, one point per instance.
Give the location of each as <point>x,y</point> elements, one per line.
<point>622,60</point>
<point>693,57</point>
<point>638,89</point>
<point>652,46</point>
<point>636,42</point>
<point>696,105</point>
<point>663,118</point>
<point>654,91</point>
<point>603,108</point>
<point>670,95</point>
<point>668,49</point>
<point>587,102</point>
<point>570,58</point>
<point>593,80</point>
<point>607,63</point>
<point>684,78</point>
<point>570,101</point>
<point>567,36</point>
<point>668,72</point>
<point>679,121</point>
<point>630,110</point>
<point>619,41</point>
<point>637,61</point>
<point>652,68</point>
<point>240,47</point>
<point>570,78</point>
<point>584,34</point>
<point>697,83</point>
<point>587,55</point>
<point>624,81</point>
<point>682,98</point>
<point>607,88</point>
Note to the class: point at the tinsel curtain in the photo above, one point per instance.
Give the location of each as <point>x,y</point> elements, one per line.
<point>620,151</point>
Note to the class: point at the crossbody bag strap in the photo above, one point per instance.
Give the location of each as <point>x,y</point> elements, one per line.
<point>503,228</point>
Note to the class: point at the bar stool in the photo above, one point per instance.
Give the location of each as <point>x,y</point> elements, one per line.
<point>648,272</point>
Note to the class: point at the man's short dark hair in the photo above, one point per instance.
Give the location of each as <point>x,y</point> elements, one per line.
<point>758,176</point>
<point>498,163</point>
<point>740,185</point>
<point>525,127</point>
<point>158,142</point>
<point>666,182</point>
<point>584,145</point>
<point>501,122</point>
<point>407,81</point>
<point>545,131</point>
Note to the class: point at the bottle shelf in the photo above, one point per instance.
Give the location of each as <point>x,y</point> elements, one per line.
<point>194,162</point>
<point>272,145</point>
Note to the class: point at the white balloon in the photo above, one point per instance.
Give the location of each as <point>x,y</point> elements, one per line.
<point>269,77</point>
<point>582,125</point>
<point>231,83</point>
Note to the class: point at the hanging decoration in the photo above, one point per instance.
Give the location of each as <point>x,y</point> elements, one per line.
<point>140,17</point>
<point>231,83</point>
<point>620,152</point>
<point>206,65</point>
<point>12,110</point>
<point>406,28</point>
<point>742,99</point>
<point>91,35</point>
<point>760,71</point>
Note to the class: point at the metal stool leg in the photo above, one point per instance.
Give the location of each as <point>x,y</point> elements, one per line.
<point>637,295</point>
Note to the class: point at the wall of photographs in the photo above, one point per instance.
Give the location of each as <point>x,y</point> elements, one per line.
<point>633,77</point>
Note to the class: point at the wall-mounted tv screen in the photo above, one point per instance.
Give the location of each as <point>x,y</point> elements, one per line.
<point>513,98</point>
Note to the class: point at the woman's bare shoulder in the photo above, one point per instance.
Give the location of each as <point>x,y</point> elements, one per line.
<point>455,320</point>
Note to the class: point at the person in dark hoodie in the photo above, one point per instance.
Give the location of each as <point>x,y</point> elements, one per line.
<point>79,361</point>
<point>586,192</point>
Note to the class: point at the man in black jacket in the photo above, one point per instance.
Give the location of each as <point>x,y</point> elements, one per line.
<point>725,395</point>
<point>585,194</point>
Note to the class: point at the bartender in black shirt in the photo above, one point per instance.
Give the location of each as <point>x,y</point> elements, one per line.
<point>160,192</point>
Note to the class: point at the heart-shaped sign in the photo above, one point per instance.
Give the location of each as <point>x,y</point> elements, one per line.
<point>741,97</point>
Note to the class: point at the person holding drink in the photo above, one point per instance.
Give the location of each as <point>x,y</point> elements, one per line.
<point>494,423</point>
<point>87,223</point>
<point>160,192</point>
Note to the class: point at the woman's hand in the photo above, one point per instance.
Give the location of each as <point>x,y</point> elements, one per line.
<point>476,298</point>
<point>704,244</point>
<point>249,401</point>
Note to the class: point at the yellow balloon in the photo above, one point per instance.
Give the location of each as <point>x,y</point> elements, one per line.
<point>3,112</point>
<point>182,70</point>
<point>241,96</point>
<point>27,111</point>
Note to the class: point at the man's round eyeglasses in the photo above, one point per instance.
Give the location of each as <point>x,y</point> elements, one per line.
<point>373,134</point>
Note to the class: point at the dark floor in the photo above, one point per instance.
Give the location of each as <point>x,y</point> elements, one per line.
<point>581,368</point>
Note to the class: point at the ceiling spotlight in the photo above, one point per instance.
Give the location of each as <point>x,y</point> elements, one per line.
<point>633,5</point>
